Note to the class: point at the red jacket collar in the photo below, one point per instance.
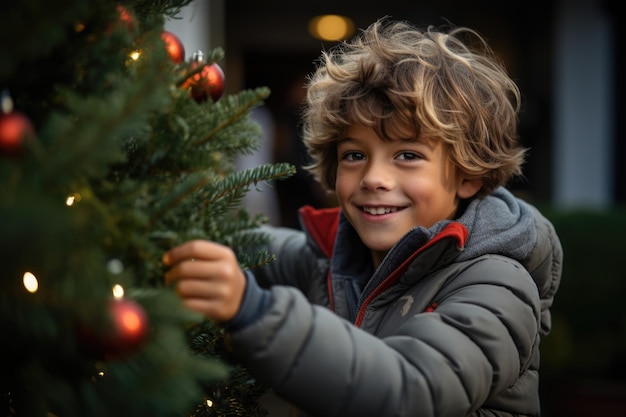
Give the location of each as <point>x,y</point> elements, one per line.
<point>322,224</point>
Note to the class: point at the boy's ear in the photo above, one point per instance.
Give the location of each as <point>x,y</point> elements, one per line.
<point>468,188</point>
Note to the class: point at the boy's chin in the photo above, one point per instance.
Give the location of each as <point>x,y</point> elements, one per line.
<point>377,244</point>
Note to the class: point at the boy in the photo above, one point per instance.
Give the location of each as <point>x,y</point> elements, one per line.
<point>427,292</point>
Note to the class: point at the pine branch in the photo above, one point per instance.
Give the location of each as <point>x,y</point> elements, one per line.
<point>242,104</point>
<point>188,187</point>
<point>128,164</point>
<point>241,180</point>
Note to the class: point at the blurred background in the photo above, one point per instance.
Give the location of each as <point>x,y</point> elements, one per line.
<point>566,56</point>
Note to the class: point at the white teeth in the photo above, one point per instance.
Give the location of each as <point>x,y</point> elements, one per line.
<point>379,210</point>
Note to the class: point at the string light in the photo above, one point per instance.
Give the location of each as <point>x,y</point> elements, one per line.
<point>118,292</point>
<point>134,58</point>
<point>135,55</point>
<point>72,199</point>
<point>99,373</point>
<point>30,282</point>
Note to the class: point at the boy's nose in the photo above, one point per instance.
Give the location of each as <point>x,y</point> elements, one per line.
<point>377,176</point>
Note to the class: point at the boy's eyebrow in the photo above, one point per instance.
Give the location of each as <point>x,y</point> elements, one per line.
<point>428,142</point>
<point>346,139</point>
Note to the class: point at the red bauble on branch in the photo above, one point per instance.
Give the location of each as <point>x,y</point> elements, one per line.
<point>174,47</point>
<point>123,335</point>
<point>126,17</point>
<point>209,81</point>
<point>15,129</point>
<point>125,20</point>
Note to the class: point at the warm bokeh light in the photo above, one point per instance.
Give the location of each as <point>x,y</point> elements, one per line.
<point>331,27</point>
<point>30,282</point>
<point>135,55</point>
<point>118,292</point>
<point>72,199</point>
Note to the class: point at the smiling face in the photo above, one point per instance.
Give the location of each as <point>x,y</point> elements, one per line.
<point>385,188</point>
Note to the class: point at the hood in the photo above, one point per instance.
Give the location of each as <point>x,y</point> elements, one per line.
<point>500,224</point>
<point>503,224</point>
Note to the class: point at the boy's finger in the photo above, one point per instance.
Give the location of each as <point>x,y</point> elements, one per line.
<point>195,249</point>
<point>191,249</point>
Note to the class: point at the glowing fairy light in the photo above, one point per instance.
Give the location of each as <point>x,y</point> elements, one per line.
<point>209,403</point>
<point>30,282</point>
<point>72,199</point>
<point>100,374</point>
<point>118,292</point>
<point>135,55</point>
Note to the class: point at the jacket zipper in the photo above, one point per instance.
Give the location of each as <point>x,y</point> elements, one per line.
<point>448,231</point>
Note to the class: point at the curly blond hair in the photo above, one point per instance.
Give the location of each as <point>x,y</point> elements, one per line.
<point>441,85</point>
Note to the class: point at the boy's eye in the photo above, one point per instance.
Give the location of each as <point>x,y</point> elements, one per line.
<point>408,156</point>
<point>353,156</point>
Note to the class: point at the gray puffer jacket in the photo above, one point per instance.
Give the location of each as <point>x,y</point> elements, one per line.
<point>448,325</point>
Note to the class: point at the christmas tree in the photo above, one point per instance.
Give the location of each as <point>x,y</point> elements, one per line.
<point>114,147</point>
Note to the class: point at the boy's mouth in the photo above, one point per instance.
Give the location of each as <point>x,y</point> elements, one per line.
<point>377,211</point>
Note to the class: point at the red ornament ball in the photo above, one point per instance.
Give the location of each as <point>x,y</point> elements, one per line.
<point>209,81</point>
<point>123,334</point>
<point>173,46</point>
<point>126,17</point>
<point>15,130</point>
<point>125,20</point>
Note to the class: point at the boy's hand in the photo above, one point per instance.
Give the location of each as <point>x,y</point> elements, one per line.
<point>207,277</point>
